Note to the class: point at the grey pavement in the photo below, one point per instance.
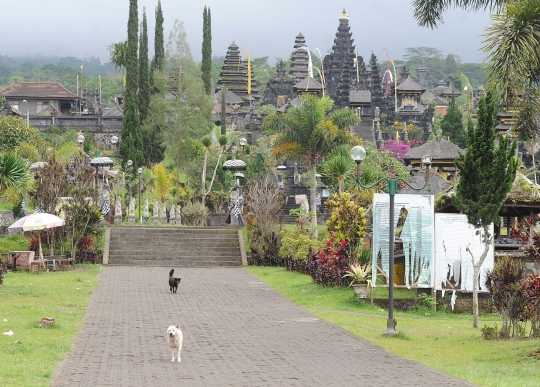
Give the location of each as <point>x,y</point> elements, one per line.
<point>237,332</point>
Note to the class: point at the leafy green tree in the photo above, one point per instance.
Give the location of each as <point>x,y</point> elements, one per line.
<point>189,112</point>
<point>223,111</point>
<point>206,64</point>
<point>452,125</point>
<point>308,133</point>
<point>131,145</point>
<point>158,60</point>
<point>144,84</point>
<point>450,64</point>
<point>153,127</point>
<point>486,176</point>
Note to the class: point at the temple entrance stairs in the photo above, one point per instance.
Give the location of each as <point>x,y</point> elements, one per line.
<point>180,246</point>
<point>365,131</point>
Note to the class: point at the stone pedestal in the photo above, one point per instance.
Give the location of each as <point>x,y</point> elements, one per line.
<point>131,219</point>
<point>117,219</point>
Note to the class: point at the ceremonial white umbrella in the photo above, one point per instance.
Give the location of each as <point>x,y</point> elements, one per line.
<point>37,221</point>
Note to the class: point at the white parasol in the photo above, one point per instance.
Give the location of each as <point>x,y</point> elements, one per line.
<point>37,221</point>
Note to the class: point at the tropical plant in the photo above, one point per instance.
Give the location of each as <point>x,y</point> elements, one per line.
<point>14,178</point>
<point>338,166</point>
<point>163,182</point>
<point>396,148</point>
<point>297,245</point>
<point>194,214</point>
<point>359,274</point>
<point>486,177</point>
<point>330,263</point>
<point>309,132</point>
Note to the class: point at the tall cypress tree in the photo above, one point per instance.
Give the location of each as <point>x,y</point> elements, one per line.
<point>158,60</point>
<point>206,64</point>
<point>486,176</point>
<point>144,86</point>
<point>131,145</point>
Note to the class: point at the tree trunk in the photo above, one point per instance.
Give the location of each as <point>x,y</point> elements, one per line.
<point>312,200</point>
<point>203,187</point>
<point>486,238</point>
<point>341,185</point>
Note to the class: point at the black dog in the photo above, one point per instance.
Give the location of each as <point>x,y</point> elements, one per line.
<point>173,282</point>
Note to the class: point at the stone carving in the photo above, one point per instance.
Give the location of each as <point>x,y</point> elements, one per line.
<point>146,215</point>
<point>172,216</point>
<point>163,213</point>
<point>304,205</point>
<point>118,210</point>
<point>156,212</point>
<point>131,211</point>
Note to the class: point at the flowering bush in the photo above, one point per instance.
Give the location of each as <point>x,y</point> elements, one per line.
<point>397,149</point>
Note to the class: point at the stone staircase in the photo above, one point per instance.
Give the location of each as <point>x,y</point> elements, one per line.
<point>173,246</point>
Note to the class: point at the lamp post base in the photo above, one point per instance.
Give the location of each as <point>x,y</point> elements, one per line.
<point>391,327</point>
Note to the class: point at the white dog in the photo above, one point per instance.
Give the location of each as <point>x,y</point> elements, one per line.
<point>175,338</point>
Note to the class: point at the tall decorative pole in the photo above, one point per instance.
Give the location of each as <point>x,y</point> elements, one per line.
<point>358,154</point>
<point>139,171</point>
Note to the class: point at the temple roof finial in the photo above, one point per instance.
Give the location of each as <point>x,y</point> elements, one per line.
<point>344,15</point>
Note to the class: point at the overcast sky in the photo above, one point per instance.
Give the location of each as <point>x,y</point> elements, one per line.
<point>265,27</point>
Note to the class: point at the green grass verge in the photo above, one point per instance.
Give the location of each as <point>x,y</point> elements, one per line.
<point>30,356</point>
<point>446,342</point>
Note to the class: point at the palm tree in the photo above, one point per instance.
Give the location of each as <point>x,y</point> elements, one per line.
<point>339,166</point>
<point>512,46</point>
<point>307,133</point>
<point>14,178</point>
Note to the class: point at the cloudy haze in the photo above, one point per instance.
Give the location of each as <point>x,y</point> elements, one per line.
<point>265,27</point>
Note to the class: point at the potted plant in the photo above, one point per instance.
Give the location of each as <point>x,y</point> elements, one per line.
<point>360,278</point>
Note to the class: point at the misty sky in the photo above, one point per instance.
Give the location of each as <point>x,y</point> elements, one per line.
<point>265,27</point>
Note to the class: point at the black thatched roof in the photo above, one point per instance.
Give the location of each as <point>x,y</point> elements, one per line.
<point>309,83</point>
<point>230,97</point>
<point>438,149</point>
<point>436,184</point>
<point>362,96</point>
<point>410,84</point>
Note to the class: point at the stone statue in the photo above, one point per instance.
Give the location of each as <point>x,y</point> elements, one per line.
<point>156,212</point>
<point>132,206</point>
<point>131,211</point>
<point>377,113</point>
<point>172,217</point>
<point>164,213</point>
<point>118,210</point>
<point>296,174</point>
<point>146,215</point>
<point>178,214</point>
<point>304,205</point>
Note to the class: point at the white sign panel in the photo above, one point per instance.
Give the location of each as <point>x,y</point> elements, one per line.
<point>457,243</point>
<point>414,235</point>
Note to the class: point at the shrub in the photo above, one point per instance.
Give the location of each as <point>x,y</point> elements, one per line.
<point>490,333</point>
<point>194,214</point>
<point>264,204</point>
<point>503,282</point>
<point>531,293</point>
<point>331,263</point>
<point>347,222</point>
<point>297,245</point>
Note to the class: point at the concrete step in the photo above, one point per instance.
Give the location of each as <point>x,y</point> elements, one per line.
<point>176,264</point>
<point>177,253</point>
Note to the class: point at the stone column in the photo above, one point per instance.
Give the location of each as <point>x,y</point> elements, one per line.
<point>178,214</point>
<point>172,218</point>
<point>164,213</point>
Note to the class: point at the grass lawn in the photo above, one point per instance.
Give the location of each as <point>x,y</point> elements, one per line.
<point>443,341</point>
<point>31,354</point>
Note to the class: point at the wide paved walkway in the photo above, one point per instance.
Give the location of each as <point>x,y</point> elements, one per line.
<point>237,332</point>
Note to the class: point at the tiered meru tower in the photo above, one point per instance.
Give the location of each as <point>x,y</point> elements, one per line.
<point>234,76</point>
<point>299,59</point>
<point>339,66</point>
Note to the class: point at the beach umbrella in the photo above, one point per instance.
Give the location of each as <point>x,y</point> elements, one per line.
<point>37,221</point>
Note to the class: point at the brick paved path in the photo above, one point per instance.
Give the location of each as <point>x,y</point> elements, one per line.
<point>237,332</point>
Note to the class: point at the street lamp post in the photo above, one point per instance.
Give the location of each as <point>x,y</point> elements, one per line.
<point>281,168</point>
<point>114,141</point>
<point>139,171</point>
<point>358,154</point>
<point>27,113</point>
<point>129,167</point>
<point>243,143</point>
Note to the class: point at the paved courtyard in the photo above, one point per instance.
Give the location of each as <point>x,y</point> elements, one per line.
<point>237,332</point>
